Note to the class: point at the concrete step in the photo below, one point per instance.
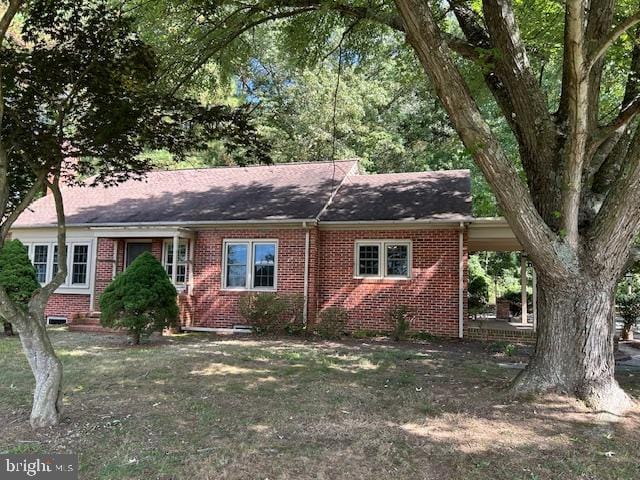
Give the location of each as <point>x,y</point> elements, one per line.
<point>93,329</point>
<point>92,318</point>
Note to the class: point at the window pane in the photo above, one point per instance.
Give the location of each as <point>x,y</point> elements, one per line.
<point>264,260</point>
<point>368,260</point>
<point>55,259</point>
<point>237,254</point>
<point>236,275</point>
<point>236,265</point>
<point>181,275</point>
<point>79,266</point>
<point>398,260</point>
<point>40,260</point>
<point>182,253</point>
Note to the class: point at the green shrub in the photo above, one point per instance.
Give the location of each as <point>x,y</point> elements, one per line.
<point>423,336</point>
<point>401,317</point>
<point>478,291</point>
<point>17,276</point>
<point>629,309</point>
<point>332,323</point>
<point>295,314</point>
<point>265,312</point>
<point>366,333</point>
<point>141,299</point>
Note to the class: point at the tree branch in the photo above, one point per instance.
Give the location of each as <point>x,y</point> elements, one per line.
<point>613,36</point>
<point>577,89</point>
<point>618,221</point>
<point>22,206</point>
<point>39,300</point>
<point>513,196</point>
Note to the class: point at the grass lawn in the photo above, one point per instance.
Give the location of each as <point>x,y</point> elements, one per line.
<point>203,407</point>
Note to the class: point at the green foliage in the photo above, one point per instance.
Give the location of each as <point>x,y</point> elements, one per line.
<point>265,312</point>
<point>628,304</point>
<point>287,72</point>
<point>401,318</point>
<point>295,314</point>
<point>78,82</point>
<point>425,336</point>
<point>478,293</point>
<point>366,333</point>
<point>141,299</point>
<point>17,275</point>
<point>503,347</point>
<point>332,323</point>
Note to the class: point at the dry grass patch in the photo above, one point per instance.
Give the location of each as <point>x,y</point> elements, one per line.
<point>200,407</point>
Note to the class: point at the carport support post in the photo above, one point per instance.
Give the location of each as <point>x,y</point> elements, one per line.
<point>534,287</point>
<point>523,285</point>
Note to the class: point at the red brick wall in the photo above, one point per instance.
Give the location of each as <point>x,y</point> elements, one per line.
<point>65,305</point>
<point>104,266</point>
<point>214,307</point>
<point>432,291</point>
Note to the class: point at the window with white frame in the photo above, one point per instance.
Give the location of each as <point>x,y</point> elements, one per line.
<point>383,258</point>
<point>183,255</point>
<point>44,257</point>
<point>40,260</point>
<point>250,264</point>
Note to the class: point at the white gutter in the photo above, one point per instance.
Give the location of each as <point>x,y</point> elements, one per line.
<point>405,221</point>
<point>461,281</point>
<point>307,241</point>
<point>137,225</point>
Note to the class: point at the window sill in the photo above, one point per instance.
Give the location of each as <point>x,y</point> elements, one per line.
<point>383,279</point>
<point>255,290</point>
<point>68,290</point>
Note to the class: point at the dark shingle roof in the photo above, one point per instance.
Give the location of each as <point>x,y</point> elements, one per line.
<point>438,195</point>
<point>276,192</point>
<point>273,192</point>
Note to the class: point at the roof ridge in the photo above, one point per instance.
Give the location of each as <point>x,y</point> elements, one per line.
<point>445,170</point>
<point>253,165</point>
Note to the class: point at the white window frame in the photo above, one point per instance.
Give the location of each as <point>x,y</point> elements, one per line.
<point>48,265</point>
<point>250,243</point>
<point>382,259</point>
<point>167,248</point>
<point>31,247</point>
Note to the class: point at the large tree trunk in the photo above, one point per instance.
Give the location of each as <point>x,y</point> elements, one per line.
<point>574,348</point>
<point>47,370</point>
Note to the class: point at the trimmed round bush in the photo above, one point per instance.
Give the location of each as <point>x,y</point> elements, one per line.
<point>141,299</point>
<point>17,276</point>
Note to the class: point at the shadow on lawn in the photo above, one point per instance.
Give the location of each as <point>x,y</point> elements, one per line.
<point>204,407</point>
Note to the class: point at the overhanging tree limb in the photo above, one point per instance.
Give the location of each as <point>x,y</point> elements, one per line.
<point>613,36</point>
<point>577,89</point>
<point>513,196</point>
<point>39,300</point>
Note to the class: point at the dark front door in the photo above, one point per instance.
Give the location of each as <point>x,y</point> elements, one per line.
<point>136,248</point>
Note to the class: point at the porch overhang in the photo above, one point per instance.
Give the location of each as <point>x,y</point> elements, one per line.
<point>492,234</point>
<point>143,232</point>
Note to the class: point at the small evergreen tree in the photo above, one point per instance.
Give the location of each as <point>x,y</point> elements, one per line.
<point>141,299</point>
<point>17,276</point>
<point>629,309</point>
<point>478,295</point>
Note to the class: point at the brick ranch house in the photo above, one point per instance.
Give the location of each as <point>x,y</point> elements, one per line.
<point>322,230</point>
